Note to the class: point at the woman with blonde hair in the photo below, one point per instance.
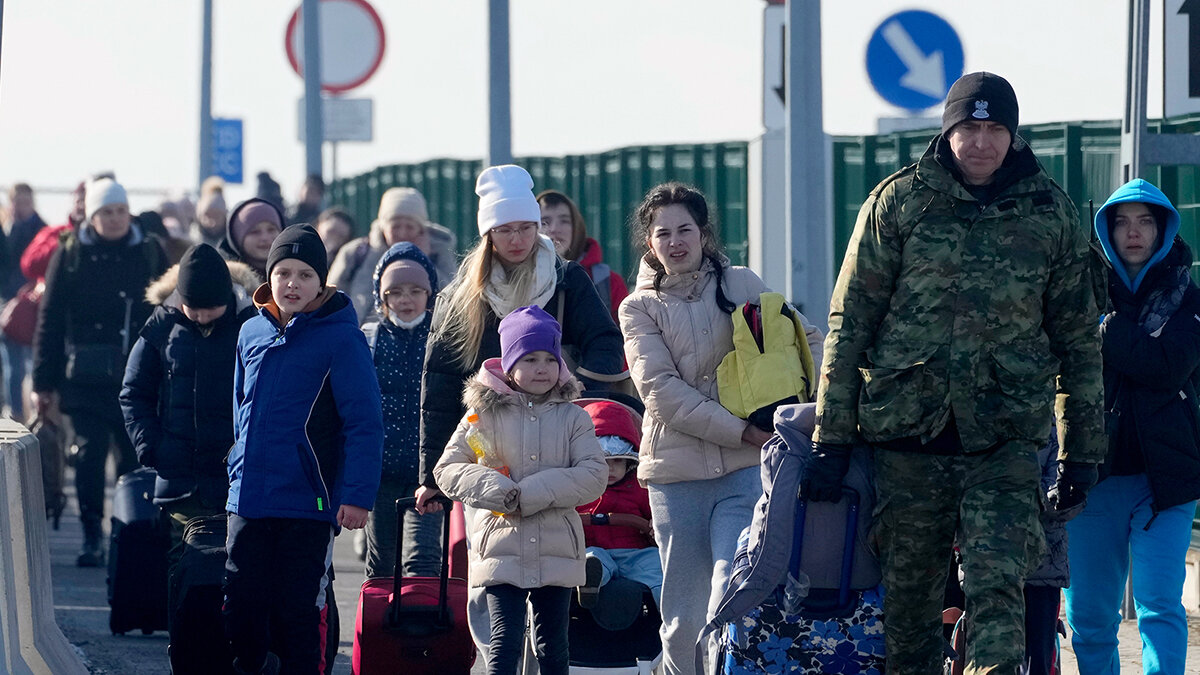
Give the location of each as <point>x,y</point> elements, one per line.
<point>512,266</point>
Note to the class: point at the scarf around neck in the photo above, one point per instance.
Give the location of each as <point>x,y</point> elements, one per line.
<point>499,292</point>
<point>1162,302</point>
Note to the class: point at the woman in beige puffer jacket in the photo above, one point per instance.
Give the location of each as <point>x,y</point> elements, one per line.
<point>699,462</point>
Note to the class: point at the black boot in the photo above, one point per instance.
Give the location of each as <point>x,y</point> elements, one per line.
<point>92,553</point>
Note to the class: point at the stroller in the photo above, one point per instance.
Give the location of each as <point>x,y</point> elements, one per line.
<point>619,636</point>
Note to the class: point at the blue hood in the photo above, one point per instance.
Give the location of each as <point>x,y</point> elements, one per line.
<point>1137,190</point>
<point>404,250</point>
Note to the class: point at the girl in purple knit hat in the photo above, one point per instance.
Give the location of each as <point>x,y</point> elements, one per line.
<point>526,542</point>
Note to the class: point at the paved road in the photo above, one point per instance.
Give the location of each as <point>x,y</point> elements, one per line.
<point>81,608</point>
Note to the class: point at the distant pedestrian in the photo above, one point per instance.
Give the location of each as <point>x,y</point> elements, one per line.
<point>312,199</point>
<point>211,213</point>
<point>964,305</point>
<point>253,225</point>
<point>20,231</point>
<point>305,460</point>
<point>1138,518</point>
<point>268,190</point>
<point>335,226</point>
<point>91,311</point>
<point>563,223</point>
<point>403,216</point>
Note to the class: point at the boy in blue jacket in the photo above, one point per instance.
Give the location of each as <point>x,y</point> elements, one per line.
<point>306,458</point>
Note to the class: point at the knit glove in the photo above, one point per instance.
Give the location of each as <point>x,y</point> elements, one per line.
<point>821,477</point>
<point>1069,493</point>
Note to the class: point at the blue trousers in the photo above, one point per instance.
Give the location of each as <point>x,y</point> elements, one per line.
<point>1110,532</point>
<point>635,564</point>
<point>696,524</point>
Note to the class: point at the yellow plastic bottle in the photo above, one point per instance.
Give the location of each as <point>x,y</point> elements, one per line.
<point>485,455</point>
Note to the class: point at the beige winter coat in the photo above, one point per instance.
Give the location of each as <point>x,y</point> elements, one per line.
<point>674,340</point>
<point>555,464</point>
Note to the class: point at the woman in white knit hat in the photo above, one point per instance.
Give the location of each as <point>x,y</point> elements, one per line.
<point>403,216</point>
<point>511,266</point>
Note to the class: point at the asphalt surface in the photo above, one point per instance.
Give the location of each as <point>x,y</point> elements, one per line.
<point>81,609</point>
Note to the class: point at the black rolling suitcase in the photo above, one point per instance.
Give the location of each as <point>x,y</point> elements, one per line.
<point>198,644</point>
<point>137,557</point>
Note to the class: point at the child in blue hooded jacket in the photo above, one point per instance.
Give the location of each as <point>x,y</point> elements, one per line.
<point>1138,518</point>
<point>308,434</point>
<point>405,285</point>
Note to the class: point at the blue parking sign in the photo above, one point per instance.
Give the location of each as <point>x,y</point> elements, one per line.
<point>227,149</point>
<point>912,59</point>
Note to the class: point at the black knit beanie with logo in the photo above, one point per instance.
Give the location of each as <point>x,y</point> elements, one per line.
<point>302,243</point>
<point>981,96</point>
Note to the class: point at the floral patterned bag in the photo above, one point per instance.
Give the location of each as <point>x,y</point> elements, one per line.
<point>770,640</point>
<point>813,631</point>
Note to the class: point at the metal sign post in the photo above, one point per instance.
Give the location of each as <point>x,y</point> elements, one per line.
<point>313,133</point>
<point>809,231</point>
<point>206,130</point>
<point>499,143</point>
<point>1139,148</point>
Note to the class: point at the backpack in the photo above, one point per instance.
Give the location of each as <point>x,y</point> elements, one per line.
<point>770,365</point>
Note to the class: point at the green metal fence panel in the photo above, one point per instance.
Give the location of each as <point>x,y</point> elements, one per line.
<point>607,186</point>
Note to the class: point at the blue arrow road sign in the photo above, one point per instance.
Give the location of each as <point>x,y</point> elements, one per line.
<point>912,59</point>
<point>227,149</point>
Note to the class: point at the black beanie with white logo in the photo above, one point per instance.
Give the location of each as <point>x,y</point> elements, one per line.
<point>981,96</point>
<point>304,244</point>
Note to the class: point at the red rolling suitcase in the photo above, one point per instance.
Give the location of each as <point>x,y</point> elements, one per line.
<point>414,625</point>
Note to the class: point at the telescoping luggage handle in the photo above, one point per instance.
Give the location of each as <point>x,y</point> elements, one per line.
<point>435,619</point>
<point>847,546</point>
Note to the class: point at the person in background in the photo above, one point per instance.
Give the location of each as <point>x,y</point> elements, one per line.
<point>963,312</point>
<point>1138,519</point>
<point>177,393</point>
<point>25,224</point>
<point>403,216</point>
<point>253,225</point>
<point>564,224</point>
<point>312,197</point>
<point>527,537</point>
<point>699,462</point>
<point>152,225</point>
<point>268,190</point>
<point>91,311</point>
<point>335,226</point>
<point>405,289</point>
<point>305,461</point>
<point>211,214</point>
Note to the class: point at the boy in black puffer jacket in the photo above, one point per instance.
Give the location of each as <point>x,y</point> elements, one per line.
<point>177,396</point>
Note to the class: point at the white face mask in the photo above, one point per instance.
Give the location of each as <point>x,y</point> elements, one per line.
<point>407,325</point>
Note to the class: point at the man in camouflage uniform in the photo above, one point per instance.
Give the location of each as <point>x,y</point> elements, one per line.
<point>965,292</point>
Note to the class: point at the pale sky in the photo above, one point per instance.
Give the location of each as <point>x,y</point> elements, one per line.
<point>87,86</point>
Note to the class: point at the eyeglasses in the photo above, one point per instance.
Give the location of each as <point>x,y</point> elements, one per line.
<point>416,292</point>
<point>509,231</point>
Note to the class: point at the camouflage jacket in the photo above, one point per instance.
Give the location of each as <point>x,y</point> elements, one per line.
<point>946,304</point>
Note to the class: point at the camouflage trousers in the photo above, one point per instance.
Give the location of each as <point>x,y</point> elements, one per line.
<point>989,504</point>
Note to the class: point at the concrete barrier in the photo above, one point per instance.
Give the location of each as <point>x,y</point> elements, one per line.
<point>32,642</point>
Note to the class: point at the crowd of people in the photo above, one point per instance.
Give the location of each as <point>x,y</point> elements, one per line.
<point>302,381</point>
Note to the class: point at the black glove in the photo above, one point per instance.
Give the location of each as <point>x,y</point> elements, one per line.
<point>1071,488</point>
<point>821,477</point>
